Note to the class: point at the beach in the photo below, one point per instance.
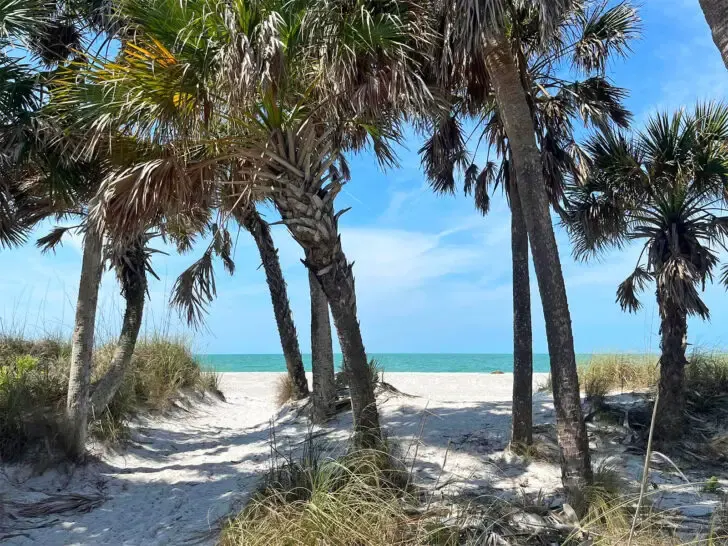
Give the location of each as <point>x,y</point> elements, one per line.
<point>183,473</point>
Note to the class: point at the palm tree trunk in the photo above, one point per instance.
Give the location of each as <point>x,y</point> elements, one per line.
<point>259,229</point>
<point>513,107</point>
<point>311,221</point>
<point>674,332</point>
<point>82,344</point>
<point>716,14</point>
<point>322,353</point>
<point>521,426</point>
<point>134,290</point>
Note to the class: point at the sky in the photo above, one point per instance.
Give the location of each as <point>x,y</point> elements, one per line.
<point>432,275</point>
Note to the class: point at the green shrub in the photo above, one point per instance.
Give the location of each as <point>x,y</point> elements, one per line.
<point>160,369</point>
<point>34,384</point>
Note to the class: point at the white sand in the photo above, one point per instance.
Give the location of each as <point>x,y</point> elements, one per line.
<point>186,471</point>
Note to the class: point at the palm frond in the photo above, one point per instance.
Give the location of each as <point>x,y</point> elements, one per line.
<point>222,244</point>
<point>52,239</point>
<point>194,290</point>
<point>443,153</point>
<point>604,32</point>
<point>629,289</point>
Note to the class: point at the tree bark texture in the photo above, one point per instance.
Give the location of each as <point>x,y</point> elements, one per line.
<point>674,332</point>
<point>518,122</point>
<point>249,218</point>
<point>82,343</point>
<point>716,14</point>
<point>134,289</point>
<point>310,218</point>
<point>322,352</point>
<point>521,426</point>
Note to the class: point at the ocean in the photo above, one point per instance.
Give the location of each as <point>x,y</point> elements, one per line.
<point>389,362</point>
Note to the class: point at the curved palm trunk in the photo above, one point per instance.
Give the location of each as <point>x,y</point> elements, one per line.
<point>513,106</point>
<point>311,221</point>
<point>521,426</point>
<point>260,231</point>
<point>674,332</point>
<point>82,344</point>
<point>134,293</point>
<point>322,352</point>
<point>716,14</point>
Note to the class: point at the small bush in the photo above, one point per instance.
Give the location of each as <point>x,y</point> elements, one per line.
<point>159,370</point>
<point>712,485</point>
<point>33,386</point>
<point>375,371</point>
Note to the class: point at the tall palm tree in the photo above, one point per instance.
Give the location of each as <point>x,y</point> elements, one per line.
<point>716,14</point>
<point>285,88</point>
<point>322,352</point>
<point>585,38</point>
<point>667,188</point>
<point>250,219</point>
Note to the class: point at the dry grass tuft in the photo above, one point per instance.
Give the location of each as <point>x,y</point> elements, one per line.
<point>604,374</point>
<point>284,390</point>
<point>360,499</point>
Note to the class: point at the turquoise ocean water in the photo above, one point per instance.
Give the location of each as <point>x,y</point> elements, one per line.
<point>390,362</point>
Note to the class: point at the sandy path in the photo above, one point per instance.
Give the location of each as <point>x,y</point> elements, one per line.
<point>185,472</point>
<point>182,473</point>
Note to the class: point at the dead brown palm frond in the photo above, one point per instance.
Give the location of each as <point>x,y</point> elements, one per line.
<point>54,238</point>
<point>143,194</point>
<point>630,287</point>
<point>73,503</point>
<point>444,153</point>
<point>195,289</point>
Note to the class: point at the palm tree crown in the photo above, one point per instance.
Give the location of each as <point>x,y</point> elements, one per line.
<point>667,188</point>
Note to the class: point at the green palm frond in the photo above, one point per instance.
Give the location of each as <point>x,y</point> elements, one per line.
<point>23,17</point>
<point>655,188</point>
<point>603,33</point>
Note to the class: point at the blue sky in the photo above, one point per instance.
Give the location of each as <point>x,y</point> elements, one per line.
<point>432,275</point>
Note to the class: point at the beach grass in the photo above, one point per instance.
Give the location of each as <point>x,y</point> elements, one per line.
<point>361,498</point>
<point>706,375</point>
<point>34,383</point>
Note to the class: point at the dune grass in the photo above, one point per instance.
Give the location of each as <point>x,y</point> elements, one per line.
<point>618,372</point>
<point>34,383</point>
<point>706,377</point>
<point>360,499</point>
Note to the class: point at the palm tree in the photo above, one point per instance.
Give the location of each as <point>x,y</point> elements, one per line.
<point>665,187</point>
<point>322,352</point>
<point>716,14</point>
<point>250,219</point>
<point>475,55</point>
<point>285,88</point>
<point>82,342</point>
<point>585,37</point>
<point>131,262</point>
